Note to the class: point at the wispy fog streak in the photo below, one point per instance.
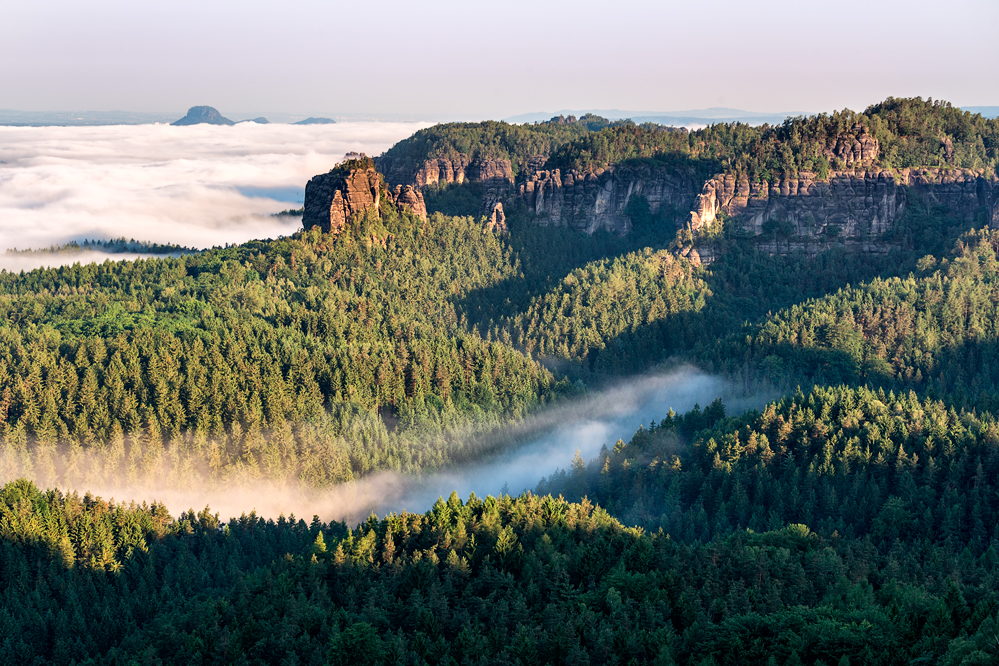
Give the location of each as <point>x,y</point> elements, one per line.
<point>586,426</point>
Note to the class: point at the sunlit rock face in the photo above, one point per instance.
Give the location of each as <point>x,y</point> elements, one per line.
<point>332,199</point>
<point>411,197</point>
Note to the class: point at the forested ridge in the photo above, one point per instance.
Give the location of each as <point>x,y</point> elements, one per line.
<point>911,132</point>
<point>500,580</point>
<point>851,521</point>
<point>262,358</point>
<point>933,330</point>
<point>478,141</point>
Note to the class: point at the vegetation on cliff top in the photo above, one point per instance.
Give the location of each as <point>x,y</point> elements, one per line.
<point>910,132</point>
<point>478,141</point>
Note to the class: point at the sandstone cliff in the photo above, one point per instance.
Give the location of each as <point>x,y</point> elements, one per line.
<point>445,170</point>
<point>333,198</point>
<point>855,204</point>
<point>597,200</point>
<point>855,148</point>
<point>411,197</point>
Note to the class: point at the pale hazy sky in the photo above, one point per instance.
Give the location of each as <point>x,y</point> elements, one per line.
<point>475,60</point>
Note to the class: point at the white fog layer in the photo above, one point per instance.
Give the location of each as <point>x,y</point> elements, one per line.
<point>196,186</point>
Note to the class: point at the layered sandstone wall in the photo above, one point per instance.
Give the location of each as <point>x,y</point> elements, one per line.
<point>597,200</point>
<point>858,203</point>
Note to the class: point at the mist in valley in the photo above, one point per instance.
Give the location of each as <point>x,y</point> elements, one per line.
<point>584,426</point>
<point>514,459</point>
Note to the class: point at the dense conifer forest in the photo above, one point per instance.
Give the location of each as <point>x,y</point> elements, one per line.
<point>851,521</point>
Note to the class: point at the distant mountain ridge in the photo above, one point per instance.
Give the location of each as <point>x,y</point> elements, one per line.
<point>14,118</point>
<point>316,121</point>
<point>984,111</point>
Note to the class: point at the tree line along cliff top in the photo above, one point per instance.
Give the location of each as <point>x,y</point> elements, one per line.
<point>894,134</point>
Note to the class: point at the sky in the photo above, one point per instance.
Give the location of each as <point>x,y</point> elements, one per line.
<point>440,60</point>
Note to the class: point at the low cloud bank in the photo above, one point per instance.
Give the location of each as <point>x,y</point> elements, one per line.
<point>196,186</point>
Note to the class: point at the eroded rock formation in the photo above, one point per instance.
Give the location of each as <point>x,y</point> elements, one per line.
<point>856,148</point>
<point>497,220</point>
<point>444,170</point>
<point>409,196</point>
<point>332,199</point>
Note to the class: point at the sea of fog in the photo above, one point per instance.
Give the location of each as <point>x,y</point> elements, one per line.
<point>196,186</point>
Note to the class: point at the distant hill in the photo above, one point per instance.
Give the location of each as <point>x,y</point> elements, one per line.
<point>316,121</point>
<point>198,115</point>
<point>985,111</point>
<point>260,121</point>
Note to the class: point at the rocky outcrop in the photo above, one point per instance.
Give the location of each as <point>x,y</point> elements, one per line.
<point>856,148</point>
<point>597,200</point>
<point>198,115</point>
<point>445,170</point>
<point>497,220</point>
<point>332,199</point>
<point>854,204</point>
